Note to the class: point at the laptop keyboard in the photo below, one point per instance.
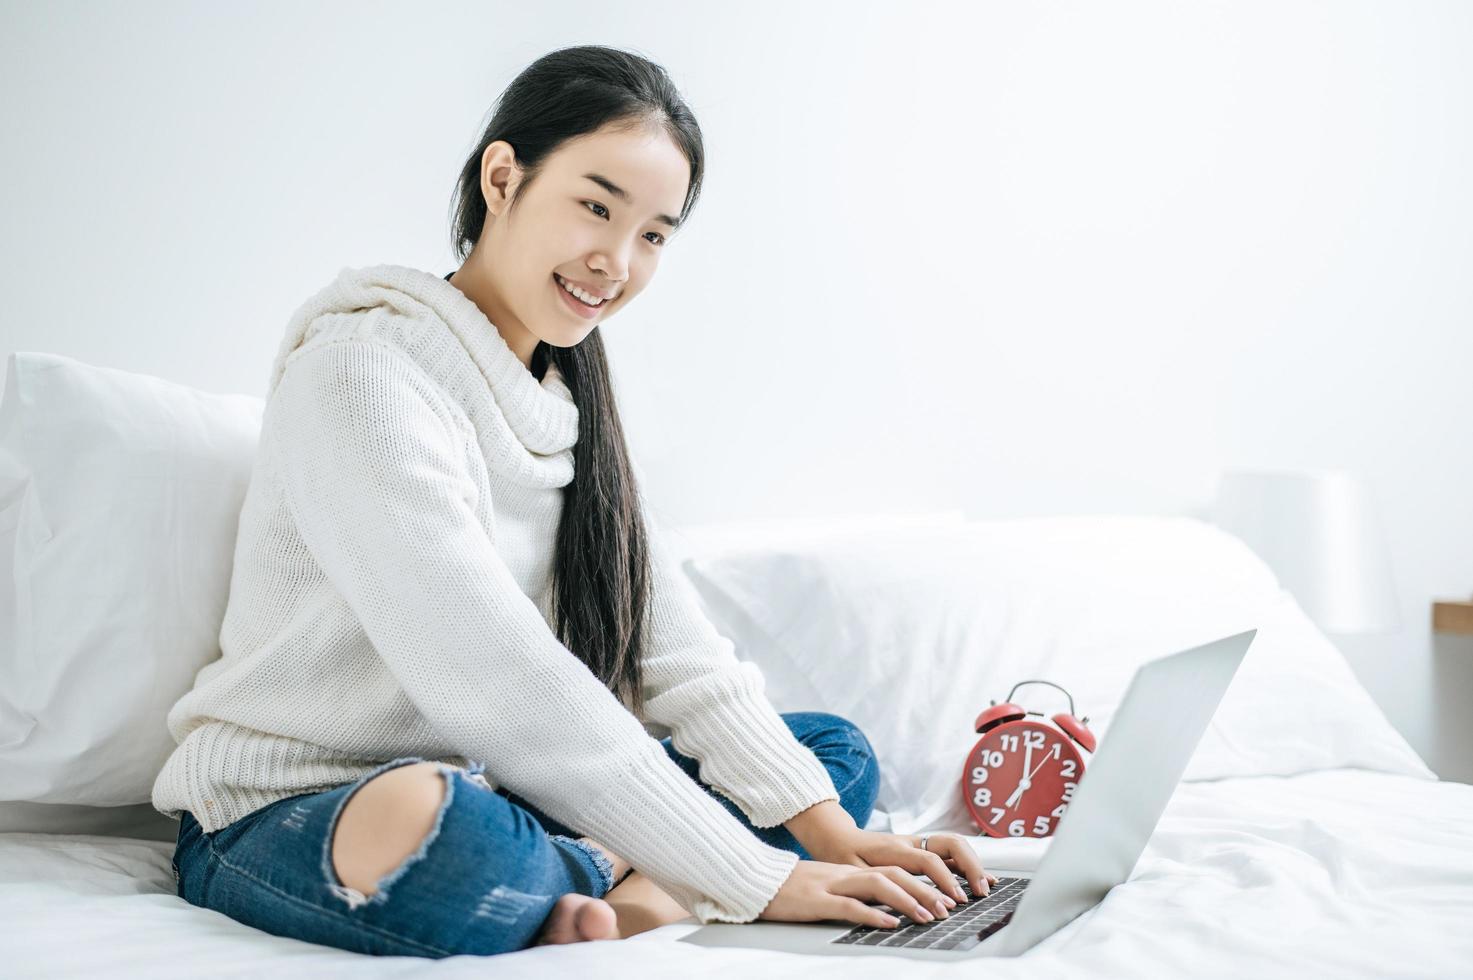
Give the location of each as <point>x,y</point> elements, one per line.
<point>966,926</point>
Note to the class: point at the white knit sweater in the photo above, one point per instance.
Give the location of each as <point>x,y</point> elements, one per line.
<point>390,597</point>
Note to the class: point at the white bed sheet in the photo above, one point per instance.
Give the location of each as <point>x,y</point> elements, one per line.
<point>1345,873</point>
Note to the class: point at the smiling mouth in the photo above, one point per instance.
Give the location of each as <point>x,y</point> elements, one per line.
<point>559,283</point>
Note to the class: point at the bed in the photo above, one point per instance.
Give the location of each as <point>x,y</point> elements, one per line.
<point>1305,838</point>
<point>1339,873</point>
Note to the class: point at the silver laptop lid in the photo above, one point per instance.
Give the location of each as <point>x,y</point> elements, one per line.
<point>1125,788</point>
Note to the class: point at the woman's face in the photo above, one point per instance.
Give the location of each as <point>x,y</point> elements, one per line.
<point>597,217</point>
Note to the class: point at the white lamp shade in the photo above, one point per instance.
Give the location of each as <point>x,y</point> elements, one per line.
<point>1318,530</point>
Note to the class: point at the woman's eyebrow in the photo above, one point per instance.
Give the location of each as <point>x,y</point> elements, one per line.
<point>623,195</point>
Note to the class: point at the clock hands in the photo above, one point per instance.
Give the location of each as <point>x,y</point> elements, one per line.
<point>1023,783</point>
<point>1028,779</point>
<point>1054,754</point>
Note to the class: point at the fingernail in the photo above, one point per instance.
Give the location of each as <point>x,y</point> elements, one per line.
<point>950,902</point>
<point>922,915</point>
<point>941,909</point>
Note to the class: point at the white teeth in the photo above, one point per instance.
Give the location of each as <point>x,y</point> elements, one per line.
<point>588,298</point>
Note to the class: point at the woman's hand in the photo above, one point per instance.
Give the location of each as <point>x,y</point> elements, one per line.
<point>944,856</point>
<point>816,891</point>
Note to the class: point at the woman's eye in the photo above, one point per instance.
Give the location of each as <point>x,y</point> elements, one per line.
<point>606,211</point>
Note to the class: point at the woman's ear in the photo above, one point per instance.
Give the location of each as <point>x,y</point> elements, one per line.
<point>500,175</point>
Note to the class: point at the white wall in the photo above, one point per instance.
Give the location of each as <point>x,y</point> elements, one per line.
<point>1068,257</point>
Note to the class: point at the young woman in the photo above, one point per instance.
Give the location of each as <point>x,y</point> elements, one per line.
<point>450,634</point>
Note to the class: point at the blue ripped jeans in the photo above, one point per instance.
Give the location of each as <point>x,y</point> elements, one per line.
<point>482,882</point>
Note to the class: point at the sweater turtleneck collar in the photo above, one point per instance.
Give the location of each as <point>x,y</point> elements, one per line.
<point>525,427</point>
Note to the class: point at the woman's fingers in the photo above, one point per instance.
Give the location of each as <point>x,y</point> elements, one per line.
<point>853,910</point>
<point>941,875</point>
<point>917,888</point>
<point>961,855</point>
<point>876,885</point>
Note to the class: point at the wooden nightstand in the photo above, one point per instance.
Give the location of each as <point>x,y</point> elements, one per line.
<point>1452,616</point>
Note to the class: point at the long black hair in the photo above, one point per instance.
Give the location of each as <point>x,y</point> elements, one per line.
<point>601,569</point>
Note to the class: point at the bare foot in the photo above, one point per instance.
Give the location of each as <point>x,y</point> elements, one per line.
<point>577,918</point>
<point>641,905</point>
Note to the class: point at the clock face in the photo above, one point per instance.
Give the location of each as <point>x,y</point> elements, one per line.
<point>1020,778</point>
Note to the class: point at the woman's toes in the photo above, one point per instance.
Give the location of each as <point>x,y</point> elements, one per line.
<point>596,919</point>
<point>578,918</point>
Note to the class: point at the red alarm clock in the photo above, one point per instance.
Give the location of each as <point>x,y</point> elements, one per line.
<point>1021,775</point>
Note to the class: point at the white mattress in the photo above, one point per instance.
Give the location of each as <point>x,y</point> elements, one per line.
<point>1344,873</point>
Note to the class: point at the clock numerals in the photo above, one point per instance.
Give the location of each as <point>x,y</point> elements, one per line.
<point>1033,739</point>
<point>1019,828</point>
<point>1031,764</point>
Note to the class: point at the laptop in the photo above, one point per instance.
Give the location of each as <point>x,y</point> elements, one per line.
<point>1096,843</point>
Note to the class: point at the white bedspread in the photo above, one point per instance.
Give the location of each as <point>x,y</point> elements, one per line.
<point>1343,873</point>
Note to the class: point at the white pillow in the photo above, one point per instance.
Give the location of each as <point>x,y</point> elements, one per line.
<point>785,682</point>
<point>709,541</point>
<point>121,493</point>
<point>910,633</point>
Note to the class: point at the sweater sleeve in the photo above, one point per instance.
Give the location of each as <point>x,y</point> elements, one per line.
<point>374,473</point>
<point>716,708</point>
